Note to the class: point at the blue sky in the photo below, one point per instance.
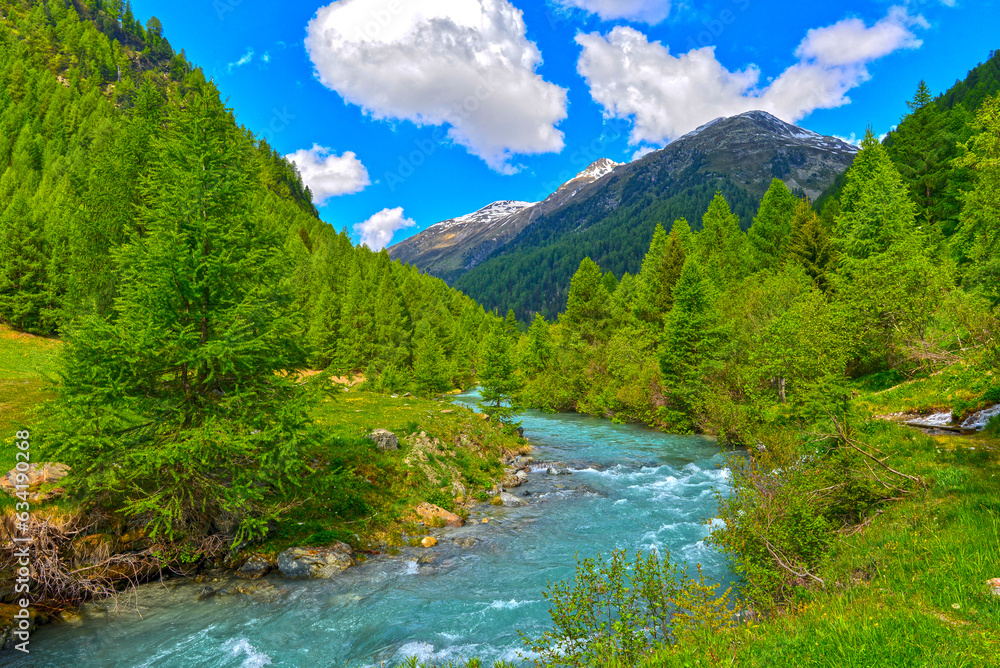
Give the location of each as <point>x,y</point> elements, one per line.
<point>428,109</point>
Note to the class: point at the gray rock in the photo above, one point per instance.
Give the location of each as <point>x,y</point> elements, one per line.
<point>384,440</point>
<point>205,592</point>
<point>255,567</point>
<point>318,562</point>
<point>262,591</point>
<point>510,500</point>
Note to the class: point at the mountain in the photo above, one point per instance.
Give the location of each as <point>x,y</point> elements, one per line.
<point>611,218</point>
<point>450,248</point>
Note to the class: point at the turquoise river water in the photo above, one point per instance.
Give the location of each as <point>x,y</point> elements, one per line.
<point>631,488</point>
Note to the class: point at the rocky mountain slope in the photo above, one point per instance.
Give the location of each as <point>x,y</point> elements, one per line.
<point>611,219</point>
<point>452,247</point>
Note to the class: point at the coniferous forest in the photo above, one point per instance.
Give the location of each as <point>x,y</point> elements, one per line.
<point>219,361</point>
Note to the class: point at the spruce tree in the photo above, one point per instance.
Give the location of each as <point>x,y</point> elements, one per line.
<point>772,226</point>
<point>498,378</point>
<point>689,338</point>
<point>721,244</point>
<point>587,305</point>
<point>178,406</point>
<point>23,268</point>
<point>876,210</point>
<point>810,246</point>
<point>430,376</point>
<point>978,240</point>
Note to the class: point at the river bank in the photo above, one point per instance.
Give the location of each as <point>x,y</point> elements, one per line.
<point>632,489</point>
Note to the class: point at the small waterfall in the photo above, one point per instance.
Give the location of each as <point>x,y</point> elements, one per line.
<point>978,421</point>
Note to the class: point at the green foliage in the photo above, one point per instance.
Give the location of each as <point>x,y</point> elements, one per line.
<point>772,227</point>
<point>587,306</point>
<point>689,338</point>
<point>499,379</point>
<point>876,209</point>
<point>613,612</point>
<point>721,245</point>
<point>173,405</point>
<point>978,238</point>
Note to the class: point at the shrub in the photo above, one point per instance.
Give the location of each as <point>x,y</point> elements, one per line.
<point>617,611</point>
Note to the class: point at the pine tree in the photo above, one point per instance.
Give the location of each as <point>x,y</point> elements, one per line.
<point>721,245</point>
<point>810,246</point>
<point>923,148</point>
<point>430,376</point>
<point>539,346</point>
<point>498,378</point>
<point>876,210</point>
<point>178,407</point>
<point>772,226</point>
<point>688,339</point>
<point>587,305</point>
<point>978,240</point>
<point>23,268</point>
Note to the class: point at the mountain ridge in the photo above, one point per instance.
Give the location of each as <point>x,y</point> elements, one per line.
<point>612,219</point>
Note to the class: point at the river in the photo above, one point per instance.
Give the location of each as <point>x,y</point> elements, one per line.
<point>631,488</point>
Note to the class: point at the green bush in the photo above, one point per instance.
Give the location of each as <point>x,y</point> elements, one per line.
<point>616,611</point>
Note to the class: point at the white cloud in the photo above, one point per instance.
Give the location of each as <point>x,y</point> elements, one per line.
<point>329,175</point>
<point>667,96</point>
<point>244,60</point>
<point>465,64</point>
<point>850,42</point>
<point>377,231</point>
<point>646,11</point>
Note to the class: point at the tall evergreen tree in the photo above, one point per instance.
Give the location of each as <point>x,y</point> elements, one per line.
<point>978,239</point>
<point>876,210</point>
<point>178,408</point>
<point>810,246</point>
<point>689,338</point>
<point>772,226</point>
<point>721,244</point>
<point>498,378</point>
<point>23,268</point>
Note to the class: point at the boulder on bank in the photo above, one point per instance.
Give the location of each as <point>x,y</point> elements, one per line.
<point>384,440</point>
<point>428,511</point>
<point>315,562</point>
<point>510,500</point>
<point>255,567</point>
<point>35,476</point>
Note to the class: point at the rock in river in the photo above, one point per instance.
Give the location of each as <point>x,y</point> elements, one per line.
<point>510,500</point>
<point>317,562</point>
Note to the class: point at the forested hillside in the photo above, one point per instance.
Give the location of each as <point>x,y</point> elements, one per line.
<point>611,221</point>
<point>96,110</point>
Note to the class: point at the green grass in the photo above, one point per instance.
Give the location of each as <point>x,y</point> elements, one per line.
<point>962,387</point>
<point>385,488</point>
<point>27,366</point>
<point>908,590</point>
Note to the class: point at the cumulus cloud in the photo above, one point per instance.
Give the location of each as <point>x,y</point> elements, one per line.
<point>850,41</point>
<point>329,175</point>
<point>667,96</point>
<point>464,64</point>
<point>646,11</point>
<point>377,231</point>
